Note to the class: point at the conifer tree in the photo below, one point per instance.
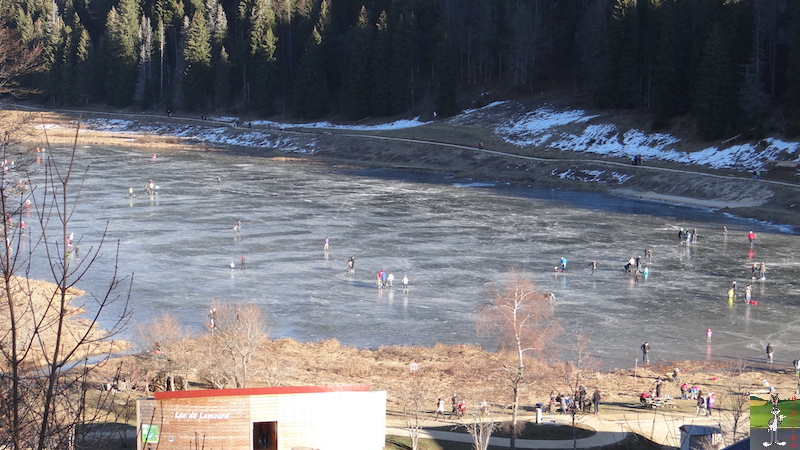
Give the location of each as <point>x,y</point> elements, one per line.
<point>310,91</point>
<point>217,22</point>
<point>179,70</point>
<point>222,79</point>
<point>792,98</point>
<point>381,77</point>
<point>672,64</point>
<point>121,45</point>
<point>220,60</point>
<point>359,85</point>
<point>715,87</point>
<point>402,65</point>
<point>197,57</point>
<point>67,79</point>
<point>84,73</point>
<point>445,79</point>
<point>332,53</point>
<point>56,58</point>
<point>145,66</point>
<point>49,33</point>
<point>168,17</point>
<point>616,90</point>
<point>263,44</point>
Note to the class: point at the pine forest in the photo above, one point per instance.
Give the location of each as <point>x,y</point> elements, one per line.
<point>732,65</point>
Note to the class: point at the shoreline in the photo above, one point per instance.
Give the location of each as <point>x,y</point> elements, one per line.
<point>715,204</point>
<point>770,200</point>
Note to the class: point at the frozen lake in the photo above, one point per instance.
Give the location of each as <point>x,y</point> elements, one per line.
<point>454,240</point>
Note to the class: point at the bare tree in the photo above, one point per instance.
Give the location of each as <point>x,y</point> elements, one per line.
<point>241,331</point>
<point>523,319</point>
<point>733,403</point>
<point>214,367</point>
<point>580,363</point>
<point>480,427</point>
<point>416,392</point>
<point>171,348</point>
<point>43,347</point>
<point>16,61</point>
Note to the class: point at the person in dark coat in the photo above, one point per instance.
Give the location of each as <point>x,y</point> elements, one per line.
<point>596,401</point>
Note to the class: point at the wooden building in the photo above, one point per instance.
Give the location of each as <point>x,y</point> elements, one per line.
<point>284,418</point>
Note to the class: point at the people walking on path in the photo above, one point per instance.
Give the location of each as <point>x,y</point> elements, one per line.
<point>709,403</point>
<point>439,409</point>
<point>646,352</point>
<point>701,405</point>
<point>596,401</point>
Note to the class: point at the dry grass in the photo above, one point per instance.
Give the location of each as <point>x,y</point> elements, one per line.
<point>37,304</point>
<point>477,375</point>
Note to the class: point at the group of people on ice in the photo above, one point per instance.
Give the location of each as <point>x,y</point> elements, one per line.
<point>386,280</point>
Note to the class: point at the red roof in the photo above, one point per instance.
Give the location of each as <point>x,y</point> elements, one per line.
<point>260,391</point>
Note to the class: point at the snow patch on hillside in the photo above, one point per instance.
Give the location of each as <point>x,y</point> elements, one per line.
<point>571,130</point>
<point>546,127</point>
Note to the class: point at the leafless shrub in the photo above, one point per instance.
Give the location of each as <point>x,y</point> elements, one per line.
<point>241,332</point>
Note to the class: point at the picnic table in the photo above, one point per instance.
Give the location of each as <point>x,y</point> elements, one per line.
<point>658,402</point>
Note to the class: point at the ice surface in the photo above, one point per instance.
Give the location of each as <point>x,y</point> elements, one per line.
<point>455,240</point>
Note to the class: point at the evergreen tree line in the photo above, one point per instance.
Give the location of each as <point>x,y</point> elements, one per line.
<point>731,63</point>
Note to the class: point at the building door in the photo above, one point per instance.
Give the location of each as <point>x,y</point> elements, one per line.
<point>265,435</point>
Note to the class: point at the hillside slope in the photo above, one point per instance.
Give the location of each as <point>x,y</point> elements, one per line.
<point>452,146</point>
<point>526,143</point>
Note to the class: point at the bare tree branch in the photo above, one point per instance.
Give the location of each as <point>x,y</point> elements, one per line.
<point>523,319</point>
<point>45,344</point>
